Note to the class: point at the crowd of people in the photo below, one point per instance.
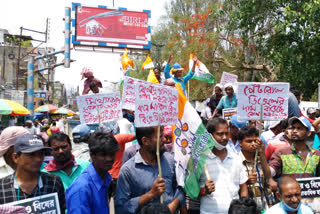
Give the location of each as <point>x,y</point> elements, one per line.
<point>244,172</point>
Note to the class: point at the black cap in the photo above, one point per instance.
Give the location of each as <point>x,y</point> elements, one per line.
<point>29,143</point>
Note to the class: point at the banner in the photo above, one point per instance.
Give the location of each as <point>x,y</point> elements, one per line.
<point>228,112</point>
<point>272,96</point>
<point>108,105</point>
<point>128,93</point>
<point>152,99</point>
<point>120,27</point>
<point>41,205</point>
<point>40,95</point>
<point>310,192</point>
<point>228,78</point>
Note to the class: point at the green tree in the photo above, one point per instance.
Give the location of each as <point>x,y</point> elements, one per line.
<point>286,33</point>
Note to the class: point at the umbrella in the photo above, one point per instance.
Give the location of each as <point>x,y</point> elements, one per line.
<point>46,108</point>
<point>9,107</point>
<point>64,111</point>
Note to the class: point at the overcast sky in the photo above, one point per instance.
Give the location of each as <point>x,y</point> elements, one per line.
<point>32,14</point>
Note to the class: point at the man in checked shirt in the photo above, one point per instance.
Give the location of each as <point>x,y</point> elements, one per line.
<point>258,174</point>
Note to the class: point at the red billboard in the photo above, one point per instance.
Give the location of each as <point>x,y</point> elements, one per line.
<point>111,27</point>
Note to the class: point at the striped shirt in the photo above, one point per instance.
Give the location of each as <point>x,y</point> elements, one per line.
<point>286,161</point>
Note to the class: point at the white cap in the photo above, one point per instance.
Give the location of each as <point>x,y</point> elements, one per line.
<point>274,123</point>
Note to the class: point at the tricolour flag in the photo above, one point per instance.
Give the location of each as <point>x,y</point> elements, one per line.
<point>126,61</point>
<point>192,144</point>
<point>148,63</point>
<point>152,77</point>
<point>201,72</point>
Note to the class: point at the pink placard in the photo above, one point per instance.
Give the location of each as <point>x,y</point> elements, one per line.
<point>152,99</point>
<point>108,105</point>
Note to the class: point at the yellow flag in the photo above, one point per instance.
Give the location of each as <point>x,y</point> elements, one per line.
<point>148,63</point>
<point>126,61</point>
<point>152,77</point>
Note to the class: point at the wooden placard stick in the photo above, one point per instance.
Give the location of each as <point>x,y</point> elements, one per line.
<point>158,155</point>
<point>207,172</point>
<point>260,131</point>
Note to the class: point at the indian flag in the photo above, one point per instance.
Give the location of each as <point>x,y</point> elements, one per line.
<point>192,144</point>
<point>201,72</point>
<point>148,63</point>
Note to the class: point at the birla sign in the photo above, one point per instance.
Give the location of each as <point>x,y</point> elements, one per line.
<point>102,26</point>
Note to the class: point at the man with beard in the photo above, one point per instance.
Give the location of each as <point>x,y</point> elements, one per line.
<point>227,174</point>
<point>89,192</point>
<point>176,71</point>
<point>298,160</point>
<point>64,164</point>
<point>290,196</point>
<point>139,183</point>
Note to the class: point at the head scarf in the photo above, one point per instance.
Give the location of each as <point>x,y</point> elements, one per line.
<point>9,136</point>
<point>86,73</point>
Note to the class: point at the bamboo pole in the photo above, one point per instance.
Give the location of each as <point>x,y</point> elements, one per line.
<point>99,119</point>
<point>158,155</point>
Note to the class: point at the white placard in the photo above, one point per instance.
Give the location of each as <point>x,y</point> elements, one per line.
<point>108,105</point>
<point>152,99</point>
<point>272,96</point>
<point>128,93</point>
<point>228,78</point>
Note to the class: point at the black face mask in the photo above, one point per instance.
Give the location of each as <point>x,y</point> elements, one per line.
<point>129,116</point>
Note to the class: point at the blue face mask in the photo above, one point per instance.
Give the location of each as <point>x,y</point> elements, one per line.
<point>129,116</point>
<point>288,208</point>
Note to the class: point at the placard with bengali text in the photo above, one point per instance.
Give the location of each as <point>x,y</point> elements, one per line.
<point>152,99</point>
<point>272,96</point>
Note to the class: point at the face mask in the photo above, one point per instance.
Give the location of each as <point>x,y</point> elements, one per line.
<point>218,145</point>
<point>290,209</point>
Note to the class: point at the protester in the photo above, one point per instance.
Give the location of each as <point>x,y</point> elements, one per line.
<point>299,160</point>
<point>206,112</point>
<point>215,98</point>
<point>228,101</point>
<point>176,71</point>
<point>157,73</point>
<point>89,192</point>
<point>312,113</point>
<point>167,134</point>
<point>80,136</point>
<point>257,177</point>
<point>284,140</point>
<point>64,164</point>
<point>274,129</point>
<point>227,174</point>
<point>234,126</point>
<point>60,124</point>
<point>138,182</point>
<point>28,181</point>
<point>252,123</point>
<point>289,193</point>
<point>243,206</point>
<point>87,73</point>
<point>8,138</point>
<point>30,127</point>
<point>293,106</point>
<point>94,88</point>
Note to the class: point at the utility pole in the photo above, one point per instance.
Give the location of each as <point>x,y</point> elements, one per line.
<point>18,63</point>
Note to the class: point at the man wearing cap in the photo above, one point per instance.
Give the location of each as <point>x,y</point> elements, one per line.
<point>28,181</point>
<point>228,101</point>
<point>176,70</point>
<point>29,126</point>
<point>234,127</point>
<point>80,136</point>
<point>299,160</point>
<point>8,138</point>
<point>275,128</point>
<point>64,164</point>
<point>89,192</point>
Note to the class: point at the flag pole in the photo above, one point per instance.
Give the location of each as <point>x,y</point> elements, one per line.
<point>260,131</point>
<point>207,172</point>
<point>188,90</point>
<point>158,155</point>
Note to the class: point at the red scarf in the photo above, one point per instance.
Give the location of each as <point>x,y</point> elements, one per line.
<point>54,166</point>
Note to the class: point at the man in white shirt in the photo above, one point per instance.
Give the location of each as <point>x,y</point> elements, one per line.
<point>227,174</point>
